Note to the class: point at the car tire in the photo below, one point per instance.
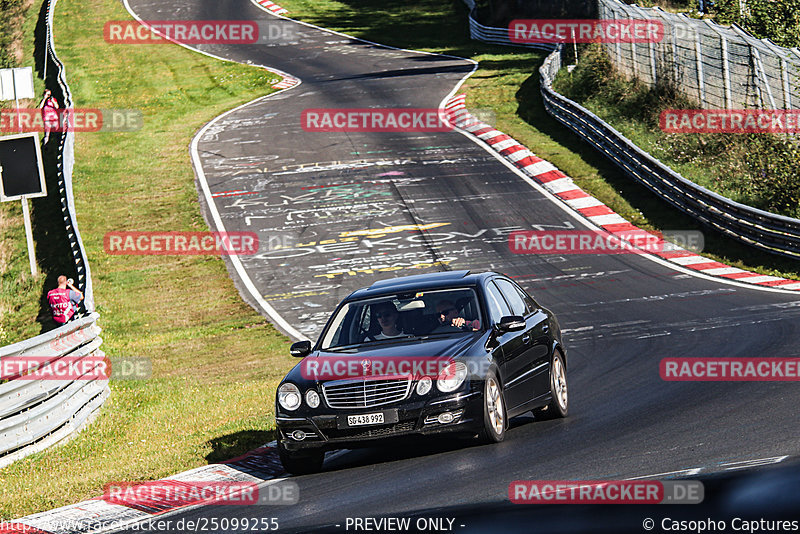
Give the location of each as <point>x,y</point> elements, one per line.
<point>559,405</point>
<point>301,463</point>
<point>495,420</point>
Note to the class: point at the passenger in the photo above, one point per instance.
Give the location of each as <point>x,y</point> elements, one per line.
<point>448,316</point>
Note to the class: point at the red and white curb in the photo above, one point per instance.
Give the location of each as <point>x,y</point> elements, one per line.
<point>286,83</point>
<point>272,6</point>
<point>562,186</point>
<point>261,466</point>
<point>96,515</point>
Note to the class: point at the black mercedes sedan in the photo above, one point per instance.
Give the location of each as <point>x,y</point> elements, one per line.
<point>451,352</point>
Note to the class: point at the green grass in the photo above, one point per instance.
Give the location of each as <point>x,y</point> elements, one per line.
<point>216,362</point>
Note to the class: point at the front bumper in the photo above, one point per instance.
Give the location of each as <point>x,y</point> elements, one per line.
<point>420,418</point>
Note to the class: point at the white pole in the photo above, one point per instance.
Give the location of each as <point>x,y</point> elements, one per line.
<point>26,214</point>
<point>574,46</point>
<point>46,52</point>
<point>16,100</point>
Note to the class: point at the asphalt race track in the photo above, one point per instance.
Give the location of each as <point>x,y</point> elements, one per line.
<point>351,208</point>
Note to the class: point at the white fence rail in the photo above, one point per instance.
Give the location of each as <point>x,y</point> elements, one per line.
<point>35,414</point>
<point>719,67</point>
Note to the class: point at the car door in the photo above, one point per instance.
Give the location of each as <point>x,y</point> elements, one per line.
<point>513,346</point>
<point>541,337</point>
<point>531,364</point>
<point>505,345</point>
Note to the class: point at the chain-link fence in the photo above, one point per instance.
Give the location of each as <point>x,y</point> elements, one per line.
<point>716,66</point>
<point>766,231</point>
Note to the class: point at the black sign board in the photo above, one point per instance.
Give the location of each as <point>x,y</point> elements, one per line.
<point>21,172</point>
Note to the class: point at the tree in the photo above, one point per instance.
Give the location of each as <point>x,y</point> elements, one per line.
<point>778,20</point>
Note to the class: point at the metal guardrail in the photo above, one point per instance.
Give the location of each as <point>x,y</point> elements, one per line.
<point>499,36</point>
<point>35,414</point>
<point>65,163</point>
<point>767,231</point>
<point>773,233</point>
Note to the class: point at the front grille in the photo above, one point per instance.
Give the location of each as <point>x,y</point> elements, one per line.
<point>349,433</point>
<point>365,393</point>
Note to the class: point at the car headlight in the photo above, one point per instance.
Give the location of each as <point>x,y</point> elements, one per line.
<point>312,398</point>
<point>424,385</point>
<point>289,396</point>
<point>451,377</point>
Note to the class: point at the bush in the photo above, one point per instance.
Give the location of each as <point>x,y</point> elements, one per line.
<point>770,19</point>
<point>769,176</point>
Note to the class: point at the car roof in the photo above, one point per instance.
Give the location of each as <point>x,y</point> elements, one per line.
<point>421,282</point>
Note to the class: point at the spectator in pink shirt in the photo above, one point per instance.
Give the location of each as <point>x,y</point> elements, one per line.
<point>64,300</point>
<point>50,114</point>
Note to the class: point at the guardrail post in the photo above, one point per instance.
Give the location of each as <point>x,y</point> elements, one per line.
<point>617,45</point>
<point>787,94</point>
<point>701,89</point>
<point>675,64</point>
<point>764,80</point>
<point>726,72</point>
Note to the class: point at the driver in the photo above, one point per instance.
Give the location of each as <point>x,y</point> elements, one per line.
<point>448,316</point>
<point>387,316</point>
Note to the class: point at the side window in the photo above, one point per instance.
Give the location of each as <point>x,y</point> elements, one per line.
<point>513,297</point>
<point>530,304</point>
<point>497,305</point>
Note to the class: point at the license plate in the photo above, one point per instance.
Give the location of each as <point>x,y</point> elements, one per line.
<point>365,419</point>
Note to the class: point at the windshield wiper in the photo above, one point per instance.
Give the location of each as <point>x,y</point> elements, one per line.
<point>343,348</point>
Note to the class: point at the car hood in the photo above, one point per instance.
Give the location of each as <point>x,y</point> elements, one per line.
<point>443,347</point>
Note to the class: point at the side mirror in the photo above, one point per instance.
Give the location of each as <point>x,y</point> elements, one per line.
<point>510,323</point>
<point>301,349</point>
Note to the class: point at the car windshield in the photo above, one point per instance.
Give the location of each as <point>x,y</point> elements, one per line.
<point>414,314</point>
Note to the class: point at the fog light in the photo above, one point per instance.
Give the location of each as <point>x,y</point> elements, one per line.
<point>424,385</point>
<point>312,398</point>
<point>298,435</point>
<point>445,418</point>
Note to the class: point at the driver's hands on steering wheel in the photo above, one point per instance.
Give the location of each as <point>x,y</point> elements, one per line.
<point>458,322</point>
